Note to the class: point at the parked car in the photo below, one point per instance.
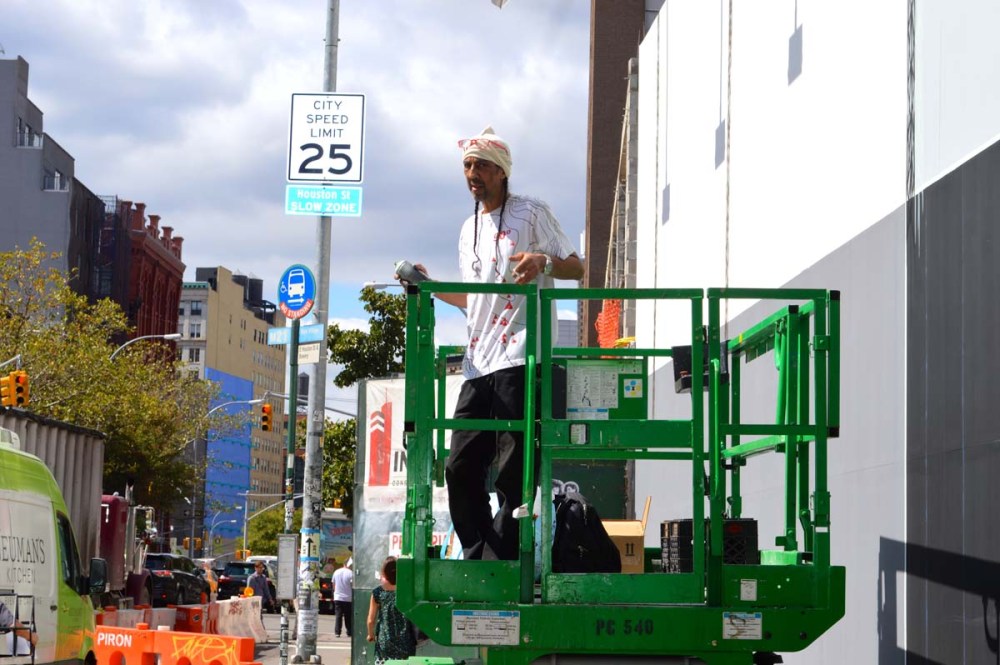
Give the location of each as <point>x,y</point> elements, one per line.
<point>176,580</point>
<point>234,579</point>
<point>325,595</point>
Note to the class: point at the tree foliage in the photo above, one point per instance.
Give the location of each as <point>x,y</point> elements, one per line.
<point>376,353</point>
<point>148,409</point>
<point>339,444</point>
<point>364,355</point>
<point>263,530</point>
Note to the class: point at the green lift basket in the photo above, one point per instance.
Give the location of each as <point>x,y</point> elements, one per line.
<point>710,609</point>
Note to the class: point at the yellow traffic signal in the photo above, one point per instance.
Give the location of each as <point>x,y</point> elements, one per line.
<point>265,417</point>
<point>197,543</point>
<point>19,388</point>
<point>187,543</point>
<point>6,396</point>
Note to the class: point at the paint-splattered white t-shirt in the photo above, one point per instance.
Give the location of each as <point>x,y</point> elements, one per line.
<point>496,322</point>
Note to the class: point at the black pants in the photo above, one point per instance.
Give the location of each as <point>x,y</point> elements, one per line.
<point>499,395</point>
<point>342,610</point>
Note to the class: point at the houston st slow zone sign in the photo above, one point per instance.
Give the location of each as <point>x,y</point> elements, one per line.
<point>326,141</point>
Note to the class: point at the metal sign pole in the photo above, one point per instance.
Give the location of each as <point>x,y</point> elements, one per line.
<point>312,486</point>
<point>292,412</point>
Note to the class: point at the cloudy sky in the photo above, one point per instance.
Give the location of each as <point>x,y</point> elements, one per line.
<point>184,105</point>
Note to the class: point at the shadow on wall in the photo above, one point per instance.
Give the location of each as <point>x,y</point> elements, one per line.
<point>965,574</point>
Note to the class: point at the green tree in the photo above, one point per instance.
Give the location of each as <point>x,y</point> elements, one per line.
<point>339,444</point>
<point>363,355</point>
<point>263,530</point>
<point>147,407</point>
<point>376,353</point>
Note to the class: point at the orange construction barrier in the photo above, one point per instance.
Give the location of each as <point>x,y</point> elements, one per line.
<point>192,649</point>
<point>118,646</point>
<point>105,616</point>
<point>191,618</point>
<point>142,646</point>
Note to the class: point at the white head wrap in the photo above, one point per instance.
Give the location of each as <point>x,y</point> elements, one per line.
<point>490,147</point>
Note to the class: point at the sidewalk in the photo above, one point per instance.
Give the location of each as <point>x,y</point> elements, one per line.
<point>332,650</point>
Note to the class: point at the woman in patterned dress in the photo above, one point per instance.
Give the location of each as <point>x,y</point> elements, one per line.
<point>391,632</point>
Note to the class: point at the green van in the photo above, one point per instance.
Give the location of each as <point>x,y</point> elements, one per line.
<point>42,581</point>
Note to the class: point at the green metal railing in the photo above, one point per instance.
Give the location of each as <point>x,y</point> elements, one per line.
<point>798,594</point>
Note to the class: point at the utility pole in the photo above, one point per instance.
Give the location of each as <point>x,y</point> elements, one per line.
<point>312,486</point>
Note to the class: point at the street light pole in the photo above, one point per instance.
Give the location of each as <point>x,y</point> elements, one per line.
<point>301,401</point>
<point>237,401</point>
<point>380,286</point>
<point>247,517</point>
<point>136,339</point>
<point>245,520</point>
<point>211,531</point>
<point>193,505</point>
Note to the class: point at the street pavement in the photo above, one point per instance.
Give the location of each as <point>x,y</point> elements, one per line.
<point>331,649</point>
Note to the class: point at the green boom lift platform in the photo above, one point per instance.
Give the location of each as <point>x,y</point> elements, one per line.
<point>711,610</point>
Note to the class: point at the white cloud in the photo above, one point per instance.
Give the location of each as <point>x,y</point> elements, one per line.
<point>351,324</point>
<point>184,104</point>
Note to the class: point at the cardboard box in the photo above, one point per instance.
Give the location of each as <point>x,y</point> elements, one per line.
<point>630,537</point>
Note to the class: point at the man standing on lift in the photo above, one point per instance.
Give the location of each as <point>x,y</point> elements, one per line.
<point>509,238</point>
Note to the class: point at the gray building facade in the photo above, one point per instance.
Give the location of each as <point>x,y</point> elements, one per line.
<point>40,197</point>
<point>36,173</point>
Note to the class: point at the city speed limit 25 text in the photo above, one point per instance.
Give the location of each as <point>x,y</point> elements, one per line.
<point>326,138</point>
<point>325,125</point>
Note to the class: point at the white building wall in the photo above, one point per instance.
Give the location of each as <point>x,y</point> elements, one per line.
<point>957,62</point>
<point>817,184</point>
<point>813,162</point>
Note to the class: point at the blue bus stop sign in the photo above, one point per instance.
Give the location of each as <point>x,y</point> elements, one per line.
<point>296,291</point>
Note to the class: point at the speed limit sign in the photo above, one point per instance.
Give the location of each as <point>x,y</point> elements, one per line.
<point>326,139</point>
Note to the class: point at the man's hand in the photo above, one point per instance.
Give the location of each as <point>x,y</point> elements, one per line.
<point>529,266</point>
<point>24,632</point>
<point>406,279</point>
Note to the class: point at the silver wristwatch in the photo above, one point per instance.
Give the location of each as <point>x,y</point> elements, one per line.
<point>547,270</point>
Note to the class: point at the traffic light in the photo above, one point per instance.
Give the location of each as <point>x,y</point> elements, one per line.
<point>19,388</point>
<point>265,417</point>
<point>197,543</point>
<point>6,396</point>
<point>187,543</point>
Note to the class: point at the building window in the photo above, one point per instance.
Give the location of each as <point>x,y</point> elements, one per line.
<point>26,136</point>
<point>194,330</point>
<point>196,308</point>
<point>54,181</point>
<point>180,310</point>
<point>194,355</point>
